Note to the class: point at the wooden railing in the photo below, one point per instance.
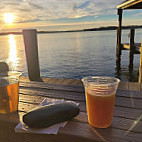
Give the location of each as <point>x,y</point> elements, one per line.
<point>31,50</point>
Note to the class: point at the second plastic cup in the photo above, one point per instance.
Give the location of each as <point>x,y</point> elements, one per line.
<point>9,91</point>
<point>100,98</point>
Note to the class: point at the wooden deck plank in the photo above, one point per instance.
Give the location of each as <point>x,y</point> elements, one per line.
<point>59,81</point>
<point>126,102</point>
<point>76,89</point>
<point>77,82</point>
<point>119,110</point>
<point>123,85</point>
<point>47,80</point>
<point>141,87</point>
<point>53,80</point>
<point>54,94</point>
<point>129,93</point>
<point>71,88</point>
<point>67,81</point>
<point>134,102</point>
<point>134,86</point>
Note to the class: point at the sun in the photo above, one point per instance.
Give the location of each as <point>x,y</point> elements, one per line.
<point>8,18</point>
<point>76,16</point>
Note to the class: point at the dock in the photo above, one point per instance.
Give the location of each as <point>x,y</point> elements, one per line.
<point>134,48</point>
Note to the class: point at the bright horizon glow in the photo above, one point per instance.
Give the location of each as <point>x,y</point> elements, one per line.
<point>9,18</point>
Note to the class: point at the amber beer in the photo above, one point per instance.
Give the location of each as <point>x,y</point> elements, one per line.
<point>9,95</point>
<point>100,109</point>
<point>100,98</point>
<point>9,92</point>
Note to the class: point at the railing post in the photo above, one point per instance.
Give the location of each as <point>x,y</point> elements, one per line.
<point>31,50</point>
<point>132,49</point>
<point>140,67</point>
<point>118,45</point>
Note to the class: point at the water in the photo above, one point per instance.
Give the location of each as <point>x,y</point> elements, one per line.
<point>72,55</point>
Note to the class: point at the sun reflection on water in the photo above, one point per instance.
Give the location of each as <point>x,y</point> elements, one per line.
<point>13,58</point>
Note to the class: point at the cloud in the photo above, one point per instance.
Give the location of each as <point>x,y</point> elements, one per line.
<point>53,10</point>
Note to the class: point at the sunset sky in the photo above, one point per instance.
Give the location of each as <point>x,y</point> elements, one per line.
<point>64,14</point>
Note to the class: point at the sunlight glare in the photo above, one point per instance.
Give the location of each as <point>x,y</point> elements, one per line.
<point>8,18</point>
<point>13,51</point>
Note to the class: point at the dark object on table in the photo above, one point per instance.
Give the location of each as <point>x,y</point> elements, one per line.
<point>50,114</point>
<point>4,67</point>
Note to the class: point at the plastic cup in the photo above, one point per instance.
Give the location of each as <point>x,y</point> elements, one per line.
<point>100,98</point>
<point>9,91</point>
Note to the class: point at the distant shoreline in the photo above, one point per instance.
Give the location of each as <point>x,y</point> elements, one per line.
<point>83,30</point>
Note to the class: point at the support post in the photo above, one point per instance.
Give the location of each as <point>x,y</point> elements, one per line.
<point>31,50</point>
<point>118,45</point>
<point>132,49</point>
<point>140,67</point>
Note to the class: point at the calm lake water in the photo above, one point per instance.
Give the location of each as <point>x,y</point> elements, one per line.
<point>72,55</point>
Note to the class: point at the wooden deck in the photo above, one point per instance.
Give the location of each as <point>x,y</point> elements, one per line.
<point>126,125</point>
<point>134,86</point>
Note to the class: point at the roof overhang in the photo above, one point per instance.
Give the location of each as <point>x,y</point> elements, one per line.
<point>130,4</point>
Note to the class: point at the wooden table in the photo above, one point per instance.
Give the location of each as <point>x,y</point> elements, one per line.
<point>126,125</point>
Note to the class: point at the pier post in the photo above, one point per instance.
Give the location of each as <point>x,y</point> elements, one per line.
<point>31,50</point>
<point>132,49</point>
<point>118,45</point>
<point>140,67</point>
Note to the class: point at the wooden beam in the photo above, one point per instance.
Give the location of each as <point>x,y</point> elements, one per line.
<point>140,67</point>
<point>137,46</point>
<point>118,45</point>
<point>130,3</point>
<point>132,49</point>
<point>123,4</point>
<point>31,50</point>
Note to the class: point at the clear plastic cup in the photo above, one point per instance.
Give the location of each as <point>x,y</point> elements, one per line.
<point>9,91</point>
<point>100,98</point>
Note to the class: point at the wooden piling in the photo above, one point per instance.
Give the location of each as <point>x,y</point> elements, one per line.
<point>118,45</point>
<point>31,50</point>
<point>140,67</point>
<point>132,49</point>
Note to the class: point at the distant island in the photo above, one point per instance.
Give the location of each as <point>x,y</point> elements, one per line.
<point>83,30</point>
